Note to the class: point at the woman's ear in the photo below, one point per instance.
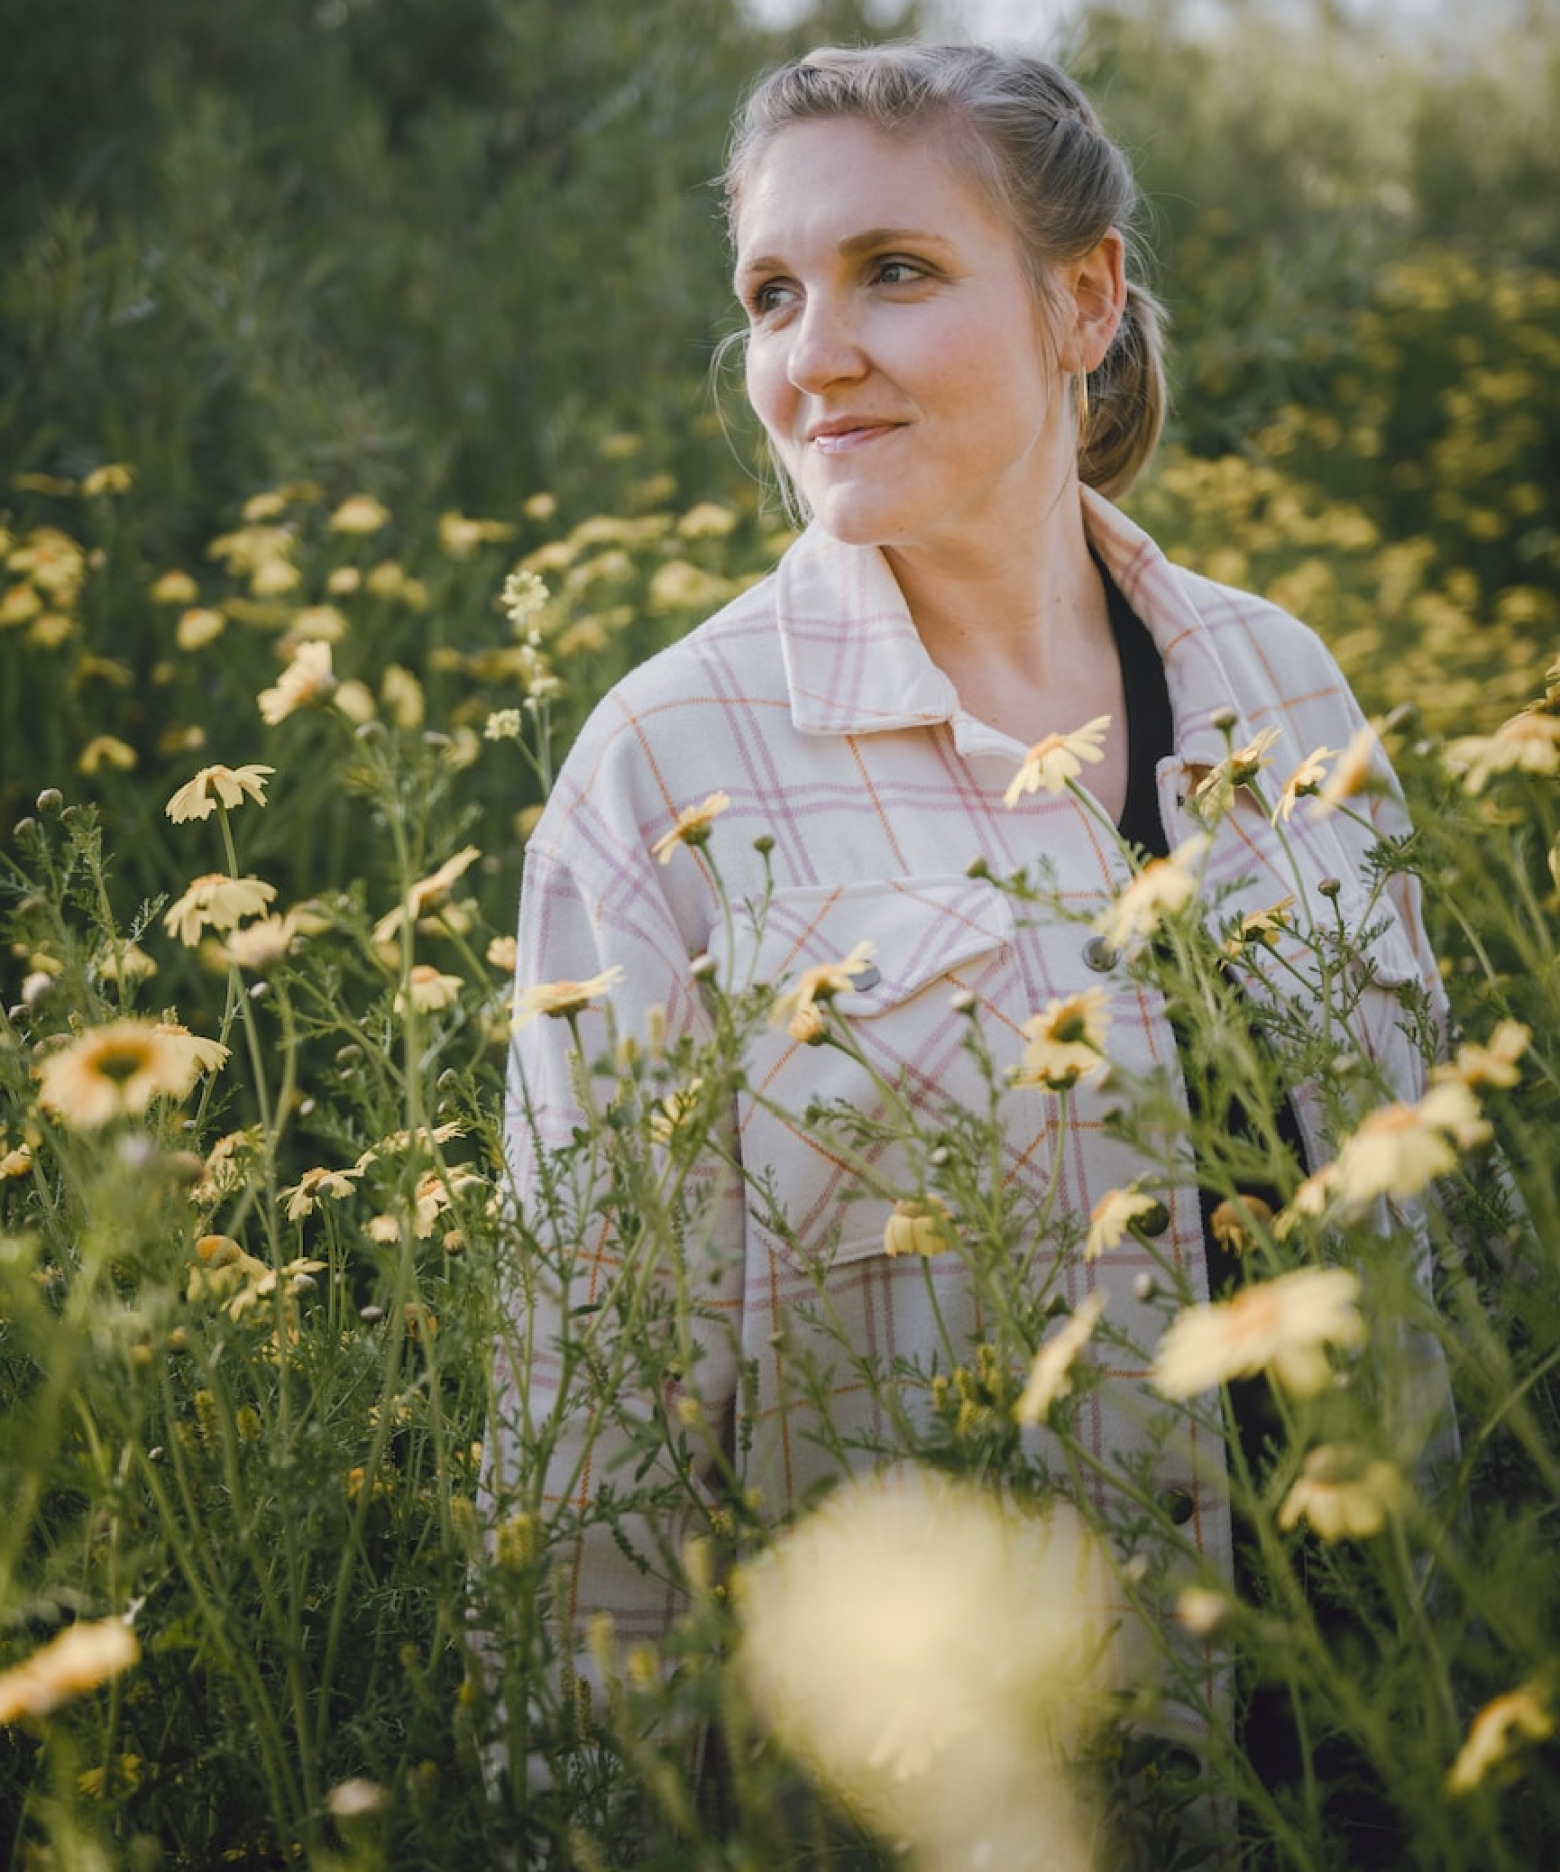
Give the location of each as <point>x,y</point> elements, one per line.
<point>1097,296</point>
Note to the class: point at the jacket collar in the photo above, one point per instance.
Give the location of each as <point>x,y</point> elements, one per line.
<point>855,663</point>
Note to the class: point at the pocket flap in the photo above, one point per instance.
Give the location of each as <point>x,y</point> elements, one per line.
<point>920,929</point>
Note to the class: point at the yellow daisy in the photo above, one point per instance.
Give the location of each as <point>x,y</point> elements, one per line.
<point>308,679</point>
<point>1304,782</point>
<point>918,1228</point>
<point>1522,1715</point>
<point>1215,793</point>
<point>1160,889</point>
<point>560,999</point>
<point>1344,1493</point>
<point>1065,1041</point>
<point>798,1011</point>
<point>1050,1375</point>
<point>1281,1326</point>
<point>428,991</point>
<point>427,895</point>
<point>692,827</point>
<point>115,1071</point>
<point>1112,1216</point>
<point>216,901</point>
<point>1057,758</point>
<point>360,513</point>
<point>80,1658</point>
<point>217,786</point>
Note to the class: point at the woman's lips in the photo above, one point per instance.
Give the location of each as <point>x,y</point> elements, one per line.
<point>840,441</point>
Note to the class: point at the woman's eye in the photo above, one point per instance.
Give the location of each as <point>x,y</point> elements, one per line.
<point>898,272</point>
<point>767,298</point>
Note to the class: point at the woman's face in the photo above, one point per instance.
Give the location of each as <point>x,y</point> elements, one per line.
<point>896,353</point>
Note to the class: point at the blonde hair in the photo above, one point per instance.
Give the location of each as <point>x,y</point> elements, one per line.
<point>1029,139</point>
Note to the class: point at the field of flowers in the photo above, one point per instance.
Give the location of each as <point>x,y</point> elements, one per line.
<point>262,1601</point>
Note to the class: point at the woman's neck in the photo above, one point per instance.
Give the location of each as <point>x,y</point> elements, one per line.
<point>1021,628</point>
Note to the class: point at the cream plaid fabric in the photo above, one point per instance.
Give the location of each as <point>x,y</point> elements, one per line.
<point>811,701</point>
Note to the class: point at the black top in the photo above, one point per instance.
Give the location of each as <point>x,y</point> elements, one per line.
<point>1150,737</point>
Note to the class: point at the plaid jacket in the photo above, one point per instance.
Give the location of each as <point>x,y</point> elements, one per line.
<point>812,703</point>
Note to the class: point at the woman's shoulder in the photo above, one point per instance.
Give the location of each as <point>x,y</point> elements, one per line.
<point>667,733</point>
<point>732,653</point>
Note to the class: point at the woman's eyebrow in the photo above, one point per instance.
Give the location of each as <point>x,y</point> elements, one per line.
<point>852,244</point>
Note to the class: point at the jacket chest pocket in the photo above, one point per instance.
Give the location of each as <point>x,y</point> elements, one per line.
<point>822,1124</point>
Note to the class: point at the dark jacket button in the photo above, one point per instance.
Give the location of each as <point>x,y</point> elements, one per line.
<point>1099,956</point>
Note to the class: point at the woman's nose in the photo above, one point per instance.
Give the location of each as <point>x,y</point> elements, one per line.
<point>825,349</point>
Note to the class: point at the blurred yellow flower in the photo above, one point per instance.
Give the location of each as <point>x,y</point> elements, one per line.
<point>1492,1064</point>
<point>115,1071</point>
<point>706,520</point>
<point>263,944</point>
<point>175,587</point>
<point>505,724</point>
<point>319,623</point>
<point>1050,1375</point>
<point>524,598</point>
<point>1236,1221</point>
<point>1522,1715</point>
<point>344,581</point>
<point>460,537</point>
<point>1160,889</point>
<point>106,750</point>
<point>1201,1611</point>
<point>1303,782</point>
<point>503,953</point>
<point>428,895</point>
<point>1281,1326</point>
<point>692,827</point>
<point>221,1266</point>
<point>294,1278</point>
<point>216,901</point>
<point>1065,1041</point>
<point>1399,1149</point>
<point>403,697</point>
<point>1527,743</point>
<point>935,1657</point>
<point>355,700</point>
<point>428,991</point>
<point>111,478</point>
<point>83,1656</point>
<point>124,964</point>
<point>57,485</point>
<point>561,998</point>
<point>918,1228</point>
<point>1355,774</point>
<point>1258,926</point>
<point>1113,1215</point>
<point>314,1184</point>
<point>436,1190</point>
<point>797,1008</point>
<point>198,626</point>
<point>1344,1493</point>
<point>307,680</point>
<point>217,786</point>
<point>53,561</point>
<point>202,1055</point>
<point>359,513</point>
<point>1215,793</point>
<point>1057,758</point>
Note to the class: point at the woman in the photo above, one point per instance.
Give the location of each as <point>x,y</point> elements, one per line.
<point>955,374</point>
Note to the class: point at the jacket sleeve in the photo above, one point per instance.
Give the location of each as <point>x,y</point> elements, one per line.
<point>616,1365</point>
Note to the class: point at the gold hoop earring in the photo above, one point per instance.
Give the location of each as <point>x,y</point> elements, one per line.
<point>1083,410</point>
